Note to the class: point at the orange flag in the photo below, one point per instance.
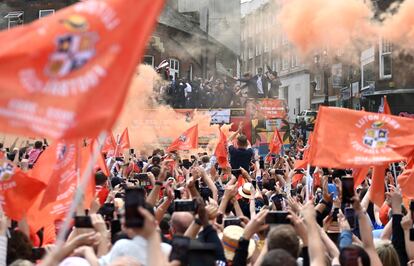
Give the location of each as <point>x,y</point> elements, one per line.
<point>40,214</point>
<point>276,143</point>
<point>221,151</point>
<point>378,186</point>
<point>346,138</point>
<point>124,140</point>
<point>359,175</point>
<point>18,190</point>
<point>81,53</point>
<point>406,182</point>
<point>109,144</point>
<point>187,141</point>
<point>57,168</point>
<point>384,107</point>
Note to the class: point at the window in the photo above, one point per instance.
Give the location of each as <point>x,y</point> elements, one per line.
<point>367,68</point>
<point>45,12</point>
<point>318,80</point>
<point>250,52</point>
<point>14,18</point>
<point>285,40</point>
<point>174,68</point>
<point>285,63</point>
<point>286,93</point>
<point>297,109</point>
<point>274,65</point>
<point>265,47</point>
<point>190,72</point>
<point>385,60</point>
<point>294,61</point>
<point>149,60</point>
<point>257,49</point>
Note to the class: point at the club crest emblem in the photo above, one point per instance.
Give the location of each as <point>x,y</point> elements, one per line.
<point>376,136</point>
<point>73,49</point>
<point>183,138</point>
<point>6,171</point>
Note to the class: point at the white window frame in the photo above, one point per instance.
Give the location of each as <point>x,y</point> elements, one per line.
<point>173,68</point>
<point>382,53</point>
<point>250,52</point>
<point>49,11</point>
<point>293,60</point>
<point>191,72</point>
<point>152,59</point>
<point>265,46</point>
<point>367,57</point>
<point>257,53</point>
<point>15,16</point>
<point>285,63</point>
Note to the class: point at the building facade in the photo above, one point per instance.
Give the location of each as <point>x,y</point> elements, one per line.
<point>263,44</point>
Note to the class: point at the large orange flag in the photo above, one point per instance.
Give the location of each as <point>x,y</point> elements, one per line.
<point>57,168</point>
<point>52,68</point>
<point>221,151</point>
<point>124,140</point>
<point>276,143</point>
<point>346,138</point>
<point>18,190</point>
<point>187,141</point>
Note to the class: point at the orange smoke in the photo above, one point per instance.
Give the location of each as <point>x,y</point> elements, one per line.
<point>150,124</point>
<point>399,28</point>
<point>315,24</point>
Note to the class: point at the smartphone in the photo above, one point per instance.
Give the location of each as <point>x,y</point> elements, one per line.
<point>350,217</point>
<point>180,246</point>
<point>277,217</point>
<point>38,253</point>
<point>279,171</point>
<point>131,151</point>
<point>83,222</point>
<point>277,200</point>
<point>261,164</point>
<point>299,171</point>
<point>236,172</point>
<point>293,192</point>
<point>219,218</point>
<point>412,209</point>
<point>185,206</point>
<point>231,221</point>
<point>134,198</point>
<point>206,193</point>
<point>332,190</point>
<point>187,164</point>
<point>412,234</point>
<point>254,183</point>
<point>347,189</point>
<point>177,194</point>
<point>143,179</point>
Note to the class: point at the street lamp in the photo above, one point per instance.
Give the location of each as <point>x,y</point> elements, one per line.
<point>322,61</point>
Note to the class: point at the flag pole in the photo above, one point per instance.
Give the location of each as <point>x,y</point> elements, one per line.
<point>395,174</point>
<point>80,190</point>
<point>308,181</point>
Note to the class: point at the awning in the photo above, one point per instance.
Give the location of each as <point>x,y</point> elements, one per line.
<point>385,92</point>
<point>322,99</point>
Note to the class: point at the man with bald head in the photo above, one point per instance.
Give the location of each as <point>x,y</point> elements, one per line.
<point>180,221</point>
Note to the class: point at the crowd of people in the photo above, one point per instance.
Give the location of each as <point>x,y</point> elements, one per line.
<point>223,92</point>
<point>166,209</point>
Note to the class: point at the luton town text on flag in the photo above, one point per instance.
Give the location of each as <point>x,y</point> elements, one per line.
<point>67,75</point>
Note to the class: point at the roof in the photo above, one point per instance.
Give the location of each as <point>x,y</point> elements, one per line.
<point>172,18</point>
